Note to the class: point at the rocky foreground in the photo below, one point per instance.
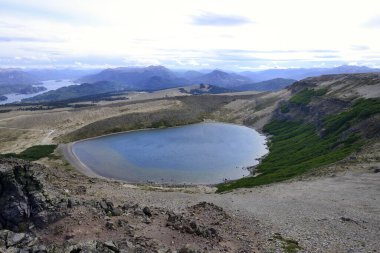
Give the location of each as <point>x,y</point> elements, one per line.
<point>37,216</point>
<point>331,208</point>
<point>56,209</point>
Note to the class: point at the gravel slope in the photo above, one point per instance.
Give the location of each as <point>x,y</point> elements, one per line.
<point>335,211</point>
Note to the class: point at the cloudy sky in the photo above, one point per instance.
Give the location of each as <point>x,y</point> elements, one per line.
<point>196,34</point>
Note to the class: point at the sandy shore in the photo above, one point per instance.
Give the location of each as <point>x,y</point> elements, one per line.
<point>67,152</point>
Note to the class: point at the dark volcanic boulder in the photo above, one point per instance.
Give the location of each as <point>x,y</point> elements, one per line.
<point>22,198</point>
<point>187,225</point>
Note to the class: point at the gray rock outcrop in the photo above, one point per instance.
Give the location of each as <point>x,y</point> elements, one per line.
<point>23,200</point>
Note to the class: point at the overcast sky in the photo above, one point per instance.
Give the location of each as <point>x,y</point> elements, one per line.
<point>197,34</point>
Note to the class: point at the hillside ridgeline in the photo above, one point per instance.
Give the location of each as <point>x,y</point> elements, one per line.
<point>325,120</point>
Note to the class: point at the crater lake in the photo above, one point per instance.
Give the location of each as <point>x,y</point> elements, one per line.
<point>204,153</point>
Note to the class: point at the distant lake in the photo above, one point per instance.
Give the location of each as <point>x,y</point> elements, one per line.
<point>202,153</point>
<point>49,85</point>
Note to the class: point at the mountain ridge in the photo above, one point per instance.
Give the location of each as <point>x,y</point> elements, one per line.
<point>301,73</point>
<point>14,80</point>
<point>160,77</point>
<point>323,121</point>
<point>138,77</point>
<point>268,85</point>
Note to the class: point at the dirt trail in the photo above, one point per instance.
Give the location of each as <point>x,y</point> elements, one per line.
<point>44,141</point>
<point>47,138</point>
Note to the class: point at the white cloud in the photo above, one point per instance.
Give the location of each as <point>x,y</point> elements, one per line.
<point>373,22</point>
<point>193,62</point>
<point>162,32</point>
<point>212,19</point>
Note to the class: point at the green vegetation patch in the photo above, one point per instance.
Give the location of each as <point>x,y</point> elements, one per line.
<point>162,124</point>
<point>288,245</point>
<point>297,147</point>
<point>305,96</point>
<point>33,153</point>
<point>361,110</point>
<point>284,108</point>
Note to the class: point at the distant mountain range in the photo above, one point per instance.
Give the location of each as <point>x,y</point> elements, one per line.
<point>21,81</point>
<point>18,81</point>
<point>16,77</point>
<point>136,78</point>
<point>58,74</point>
<point>301,73</point>
<point>269,85</point>
<point>76,91</point>
<point>190,74</point>
<point>102,87</point>
<point>158,77</point>
<point>222,79</point>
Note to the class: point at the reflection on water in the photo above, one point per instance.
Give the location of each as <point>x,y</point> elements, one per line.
<point>200,153</point>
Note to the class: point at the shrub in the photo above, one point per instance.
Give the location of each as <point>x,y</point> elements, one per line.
<point>33,153</point>
<point>297,147</point>
<point>305,96</point>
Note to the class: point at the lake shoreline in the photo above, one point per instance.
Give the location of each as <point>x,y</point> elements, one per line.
<point>73,159</point>
<point>48,85</point>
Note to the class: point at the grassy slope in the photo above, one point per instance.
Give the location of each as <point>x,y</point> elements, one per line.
<point>33,153</point>
<point>297,147</point>
<point>193,109</point>
<point>304,97</point>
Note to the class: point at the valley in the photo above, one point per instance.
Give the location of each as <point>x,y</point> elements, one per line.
<point>189,126</point>
<point>323,137</point>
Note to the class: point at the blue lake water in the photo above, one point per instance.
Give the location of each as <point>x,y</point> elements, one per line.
<point>49,85</point>
<point>202,153</point>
